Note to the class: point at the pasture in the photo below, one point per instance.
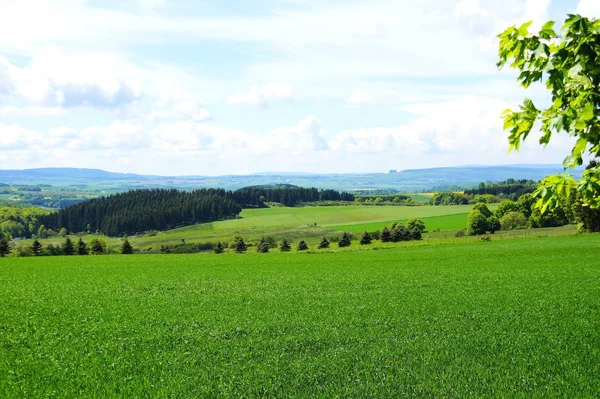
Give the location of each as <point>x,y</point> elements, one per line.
<point>512,318</point>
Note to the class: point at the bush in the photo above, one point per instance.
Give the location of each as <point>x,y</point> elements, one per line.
<point>285,246</point>
<point>485,237</point>
<point>460,233</point>
<point>494,224</point>
<point>366,238</point>
<point>416,224</point>
<point>476,223</point>
<point>219,248</point>
<point>302,246</point>
<point>324,243</point>
<point>513,221</point>
<point>346,241</point>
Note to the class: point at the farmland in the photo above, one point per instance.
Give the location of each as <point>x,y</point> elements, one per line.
<point>512,318</point>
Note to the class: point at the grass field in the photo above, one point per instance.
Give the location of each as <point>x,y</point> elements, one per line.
<point>514,318</point>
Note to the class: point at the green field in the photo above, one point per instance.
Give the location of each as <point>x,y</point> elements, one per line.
<point>514,318</point>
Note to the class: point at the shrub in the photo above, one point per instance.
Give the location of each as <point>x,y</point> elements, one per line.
<point>219,248</point>
<point>386,235</point>
<point>240,246</point>
<point>302,246</point>
<point>460,233</point>
<point>513,221</point>
<point>324,243</point>
<point>366,238</point>
<point>126,247</point>
<point>285,246</point>
<point>416,224</point>
<point>476,223</point>
<point>485,237</point>
<point>346,241</point>
<point>494,224</point>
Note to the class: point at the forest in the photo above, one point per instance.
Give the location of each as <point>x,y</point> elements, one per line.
<point>286,195</point>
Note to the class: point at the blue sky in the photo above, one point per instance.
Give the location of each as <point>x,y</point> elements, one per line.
<point>236,87</point>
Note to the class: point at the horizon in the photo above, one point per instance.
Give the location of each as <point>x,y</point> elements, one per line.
<point>158,87</point>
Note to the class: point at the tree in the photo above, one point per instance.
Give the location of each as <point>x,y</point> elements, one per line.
<point>386,235</point>
<point>324,243</point>
<point>5,247</point>
<point>567,63</point>
<point>219,248</point>
<point>366,238</point>
<point>416,234</point>
<point>240,245</point>
<point>504,207</point>
<point>346,241</point>
<point>62,232</point>
<point>68,248</point>
<point>401,233</point>
<point>263,246</point>
<point>302,246</point>
<point>82,248</point>
<point>98,246</point>
<point>285,246</point>
<point>494,224</point>
<point>481,207</point>
<point>37,248</point>
<point>416,224</point>
<point>513,221</point>
<point>476,223</point>
<point>126,247</point>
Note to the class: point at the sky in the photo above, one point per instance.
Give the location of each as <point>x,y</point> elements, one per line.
<point>215,87</point>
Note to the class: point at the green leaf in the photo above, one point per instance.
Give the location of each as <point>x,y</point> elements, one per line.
<point>588,112</point>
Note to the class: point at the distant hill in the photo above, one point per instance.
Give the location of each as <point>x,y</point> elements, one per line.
<point>411,180</point>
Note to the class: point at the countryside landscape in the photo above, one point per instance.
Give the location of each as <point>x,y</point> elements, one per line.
<point>433,234</point>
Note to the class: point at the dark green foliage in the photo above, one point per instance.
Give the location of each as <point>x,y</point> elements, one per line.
<point>345,241</point>
<point>302,245</point>
<point>126,247</point>
<point>324,243</point>
<point>37,248</point>
<point>510,189</point>
<point>449,198</point>
<point>476,223</point>
<point>52,250</point>
<point>386,235</point>
<point>5,247</point>
<point>144,210</point>
<point>286,195</point>
<point>97,246</point>
<point>401,233</point>
<point>416,224</point>
<point>285,246</point>
<point>506,206</point>
<point>68,248</point>
<point>366,238</point>
<point>416,234</point>
<point>481,207</point>
<point>240,245</point>
<point>493,224</point>
<point>82,248</point>
<point>219,248</point>
<point>263,247</point>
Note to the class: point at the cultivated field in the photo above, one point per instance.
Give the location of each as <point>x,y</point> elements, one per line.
<point>512,318</point>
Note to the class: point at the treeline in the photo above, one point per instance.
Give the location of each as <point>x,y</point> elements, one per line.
<point>17,220</point>
<point>459,198</point>
<point>259,196</point>
<point>509,189</point>
<point>144,210</point>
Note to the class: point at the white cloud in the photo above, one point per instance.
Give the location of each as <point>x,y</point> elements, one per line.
<point>468,8</point>
<point>95,80</point>
<point>359,97</point>
<point>589,8</point>
<point>305,136</point>
<point>262,97</point>
<point>179,110</point>
<point>30,111</point>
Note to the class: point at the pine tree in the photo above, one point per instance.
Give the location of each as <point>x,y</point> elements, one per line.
<point>82,248</point>
<point>126,248</point>
<point>219,248</point>
<point>97,247</point>
<point>37,248</point>
<point>324,243</point>
<point>386,235</point>
<point>68,247</point>
<point>302,246</point>
<point>345,241</point>
<point>240,246</point>
<point>285,246</point>
<point>416,234</point>
<point>5,247</point>
<point>263,247</point>
<point>366,238</point>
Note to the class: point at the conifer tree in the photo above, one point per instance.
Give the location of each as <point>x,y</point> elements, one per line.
<point>5,247</point>
<point>240,245</point>
<point>366,238</point>
<point>37,248</point>
<point>302,246</point>
<point>97,247</point>
<point>126,248</point>
<point>219,248</point>
<point>82,248</point>
<point>386,235</point>
<point>68,247</point>
<point>324,243</point>
<point>345,241</point>
<point>285,246</point>
<point>263,247</point>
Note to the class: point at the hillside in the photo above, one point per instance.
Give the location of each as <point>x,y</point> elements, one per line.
<point>412,180</point>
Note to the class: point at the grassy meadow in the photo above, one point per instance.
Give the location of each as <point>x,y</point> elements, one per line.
<point>512,318</point>
<point>308,223</point>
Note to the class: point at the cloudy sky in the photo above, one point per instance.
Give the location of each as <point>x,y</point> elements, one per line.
<point>236,86</point>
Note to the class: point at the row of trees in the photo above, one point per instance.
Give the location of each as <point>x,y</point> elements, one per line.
<point>508,189</point>
<point>144,210</point>
<point>287,195</point>
<point>18,220</point>
<point>96,246</point>
<point>460,198</point>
